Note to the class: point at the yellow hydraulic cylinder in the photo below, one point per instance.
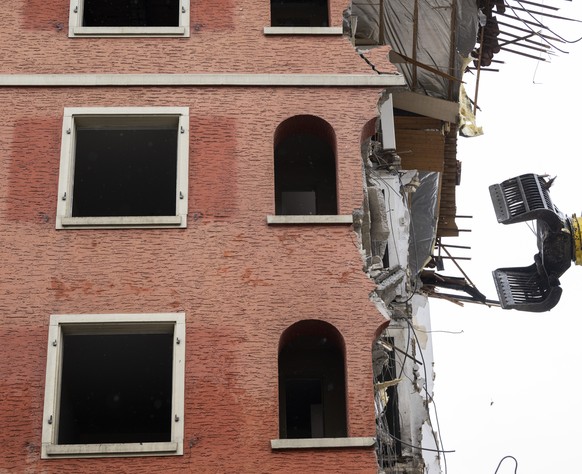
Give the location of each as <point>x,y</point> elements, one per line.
<point>577,238</point>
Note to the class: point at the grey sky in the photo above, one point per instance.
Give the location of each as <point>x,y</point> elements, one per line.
<point>508,384</point>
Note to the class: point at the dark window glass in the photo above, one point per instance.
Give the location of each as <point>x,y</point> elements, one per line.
<point>305,173</point>
<point>124,171</point>
<point>116,388</point>
<point>299,13</point>
<point>312,393</point>
<point>304,413</point>
<point>131,13</point>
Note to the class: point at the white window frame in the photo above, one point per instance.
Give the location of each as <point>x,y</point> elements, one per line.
<point>76,28</point>
<point>112,323</point>
<point>64,219</point>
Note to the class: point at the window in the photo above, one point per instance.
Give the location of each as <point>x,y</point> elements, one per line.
<point>312,392</point>
<point>129,17</point>
<point>305,177</point>
<point>123,168</point>
<point>114,385</point>
<point>299,13</point>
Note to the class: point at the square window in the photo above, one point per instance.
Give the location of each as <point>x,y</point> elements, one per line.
<point>129,18</point>
<point>114,385</point>
<point>123,167</point>
<point>304,13</point>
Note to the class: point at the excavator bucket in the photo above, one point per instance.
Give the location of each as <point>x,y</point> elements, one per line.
<point>535,288</point>
<point>526,289</point>
<point>524,198</point>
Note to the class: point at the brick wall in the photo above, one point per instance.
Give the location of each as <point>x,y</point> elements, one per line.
<point>226,37</point>
<point>240,282</point>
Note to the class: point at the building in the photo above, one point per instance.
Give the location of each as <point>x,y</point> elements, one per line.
<point>205,240</point>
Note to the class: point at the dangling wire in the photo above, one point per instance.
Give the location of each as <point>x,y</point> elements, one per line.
<point>503,459</point>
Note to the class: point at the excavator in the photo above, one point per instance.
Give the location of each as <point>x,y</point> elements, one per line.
<point>535,288</point>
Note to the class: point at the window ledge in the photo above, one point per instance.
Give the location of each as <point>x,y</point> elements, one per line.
<point>128,31</point>
<point>110,449</point>
<point>303,30</point>
<point>314,443</point>
<point>122,221</point>
<point>318,219</point>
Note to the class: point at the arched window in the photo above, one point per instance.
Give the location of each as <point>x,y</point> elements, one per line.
<point>312,391</point>
<point>299,13</point>
<point>305,176</point>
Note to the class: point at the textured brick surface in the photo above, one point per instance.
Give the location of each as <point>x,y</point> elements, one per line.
<point>226,37</point>
<point>240,282</point>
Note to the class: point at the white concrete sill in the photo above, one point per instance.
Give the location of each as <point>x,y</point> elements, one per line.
<point>323,443</point>
<point>119,222</point>
<point>303,30</point>
<point>110,449</point>
<point>109,31</point>
<point>302,220</point>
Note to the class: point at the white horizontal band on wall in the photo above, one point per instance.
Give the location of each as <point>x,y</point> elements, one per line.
<point>268,80</point>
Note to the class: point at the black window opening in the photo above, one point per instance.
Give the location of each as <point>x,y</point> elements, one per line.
<point>389,446</point>
<point>116,388</point>
<point>125,170</point>
<point>299,13</point>
<point>304,408</point>
<point>312,393</point>
<point>116,13</point>
<point>305,171</point>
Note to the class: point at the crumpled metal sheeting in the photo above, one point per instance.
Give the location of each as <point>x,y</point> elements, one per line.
<point>367,25</point>
<point>424,220</point>
<point>433,47</point>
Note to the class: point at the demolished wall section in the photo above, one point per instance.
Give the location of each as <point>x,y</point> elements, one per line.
<point>438,34</point>
<point>402,353</point>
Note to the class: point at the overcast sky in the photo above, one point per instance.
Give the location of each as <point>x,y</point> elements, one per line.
<point>507,382</point>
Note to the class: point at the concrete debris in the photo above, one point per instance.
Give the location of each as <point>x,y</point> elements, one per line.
<point>385,385</point>
<point>391,287</point>
<point>383,225</point>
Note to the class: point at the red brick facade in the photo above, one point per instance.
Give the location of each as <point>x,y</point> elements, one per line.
<point>239,281</point>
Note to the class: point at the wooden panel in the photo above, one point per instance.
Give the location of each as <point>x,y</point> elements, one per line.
<point>422,150</point>
<point>422,146</point>
<point>417,123</point>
